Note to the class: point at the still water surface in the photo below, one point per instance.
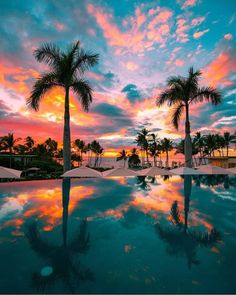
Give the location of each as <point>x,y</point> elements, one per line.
<point>119,235</point>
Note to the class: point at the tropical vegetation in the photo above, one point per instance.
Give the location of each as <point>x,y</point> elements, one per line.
<point>66,71</point>
<point>180,94</point>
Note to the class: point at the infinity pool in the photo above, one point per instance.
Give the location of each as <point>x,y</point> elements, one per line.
<point>119,235</point>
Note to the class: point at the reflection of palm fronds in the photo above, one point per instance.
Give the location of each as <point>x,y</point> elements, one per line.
<point>178,243</point>
<point>81,242</point>
<point>60,258</point>
<point>206,239</point>
<point>185,242</point>
<point>42,284</point>
<point>175,214</point>
<point>36,242</point>
<point>142,183</point>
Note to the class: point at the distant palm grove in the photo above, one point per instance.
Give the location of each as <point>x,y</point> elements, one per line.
<point>150,149</point>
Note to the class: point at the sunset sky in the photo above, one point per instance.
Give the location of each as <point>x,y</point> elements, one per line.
<point>140,44</point>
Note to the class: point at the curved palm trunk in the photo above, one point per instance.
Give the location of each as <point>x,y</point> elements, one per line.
<point>167,159</point>
<point>66,135</point>
<point>187,141</point>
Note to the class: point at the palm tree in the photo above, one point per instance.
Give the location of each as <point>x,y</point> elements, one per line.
<point>228,138</point>
<point>29,143</point>
<point>181,93</point>
<point>9,143</point>
<point>66,70</point>
<point>133,158</point>
<point>210,144</point>
<point>81,147</point>
<point>167,146</point>
<point>97,150</point>
<point>154,147</point>
<point>142,141</point>
<point>123,155</point>
<point>51,146</point>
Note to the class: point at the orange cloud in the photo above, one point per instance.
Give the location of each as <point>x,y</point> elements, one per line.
<point>131,66</point>
<point>179,62</point>
<point>217,72</point>
<point>199,34</point>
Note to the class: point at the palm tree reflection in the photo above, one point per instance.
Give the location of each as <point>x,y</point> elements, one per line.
<point>182,241</point>
<point>60,260</point>
<point>215,180</point>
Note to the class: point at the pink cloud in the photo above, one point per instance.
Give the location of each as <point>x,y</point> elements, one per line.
<point>189,3</point>
<point>217,72</point>
<point>199,34</point>
<point>60,26</point>
<point>228,36</point>
<point>197,21</point>
<point>181,30</point>
<point>162,17</point>
<point>179,62</point>
<point>135,38</point>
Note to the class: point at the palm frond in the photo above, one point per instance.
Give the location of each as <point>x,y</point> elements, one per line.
<point>207,93</point>
<point>175,215</point>
<point>48,53</point>
<point>177,115</point>
<point>84,92</point>
<point>84,61</point>
<point>169,96</point>
<point>43,84</point>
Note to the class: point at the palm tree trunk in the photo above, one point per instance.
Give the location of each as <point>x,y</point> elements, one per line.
<point>187,141</point>
<point>187,194</point>
<point>147,156</point>
<point>65,205</point>
<point>66,135</point>
<point>167,159</point>
<point>227,150</point>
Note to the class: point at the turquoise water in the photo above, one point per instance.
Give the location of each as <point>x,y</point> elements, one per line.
<point>119,235</point>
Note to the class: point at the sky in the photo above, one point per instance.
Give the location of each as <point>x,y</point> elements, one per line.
<point>140,45</point>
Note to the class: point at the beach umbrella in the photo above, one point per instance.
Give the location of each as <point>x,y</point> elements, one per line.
<point>152,171</point>
<point>213,170</point>
<point>232,170</point>
<point>9,173</point>
<point>185,171</point>
<point>119,172</point>
<point>82,172</point>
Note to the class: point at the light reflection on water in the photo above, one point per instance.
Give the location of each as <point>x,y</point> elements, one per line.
<point>118,235</point>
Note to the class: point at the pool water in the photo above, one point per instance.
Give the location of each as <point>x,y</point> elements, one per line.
<point>119,235</point>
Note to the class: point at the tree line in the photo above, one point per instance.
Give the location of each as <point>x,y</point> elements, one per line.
<point>48,149</point>
<point>151,146</point>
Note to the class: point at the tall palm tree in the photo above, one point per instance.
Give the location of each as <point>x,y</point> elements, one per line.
<point>123,155</point>
<point>154,147</point>
<point>9,143</point>
<point>167,146</point>
<point>210,144</point>
<point>227,138</point>
<point>81,147</point>
<point>181,92</point>
<point>66,71</point>
<point>142,141</point>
